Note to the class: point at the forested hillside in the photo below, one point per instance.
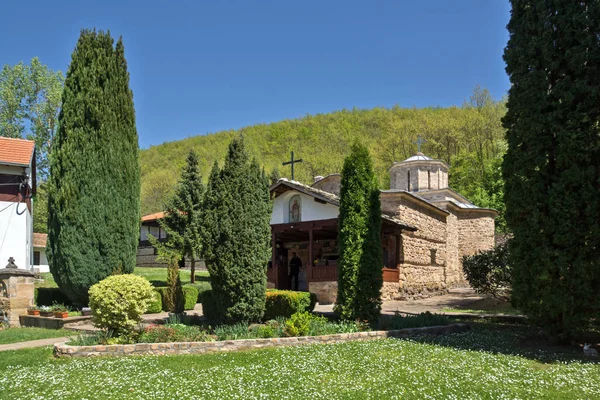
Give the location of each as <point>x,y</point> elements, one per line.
<point>469,137</point>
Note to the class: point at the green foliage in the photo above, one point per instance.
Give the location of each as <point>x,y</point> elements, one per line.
<point>488,272</point>
<point>416,321</point>
<point>190,295</point>
<point>471,135</point>
<point>551,166</point>
<point>183,220</point>
<point>236,236</point>
<point>173,298</point>
<point>298,324</point>
<point>94,188</point>
<point>235,331</point>
<point>30,98</point>
<point>49,296</point>
<point>360,278</point>
<point>155,305</point>
<point>173,333</point>
<point>119,301</point>
<point>284,303</point>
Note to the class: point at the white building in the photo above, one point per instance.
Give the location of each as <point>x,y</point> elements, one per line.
<point>40,261</point>
<point>17,186</point>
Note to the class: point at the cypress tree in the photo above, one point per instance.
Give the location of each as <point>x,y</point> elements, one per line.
<point>552,167</point>
<point>360,274</point>
<point>183,217</point>
<point>94,187</point>
<point>236,234</point>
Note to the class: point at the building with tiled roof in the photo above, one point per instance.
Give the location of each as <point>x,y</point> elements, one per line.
<point>426,230</point>
<point>17,187</point>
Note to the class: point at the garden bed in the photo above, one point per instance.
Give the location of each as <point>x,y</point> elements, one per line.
<point>36,321</point>
<point>64,350</point>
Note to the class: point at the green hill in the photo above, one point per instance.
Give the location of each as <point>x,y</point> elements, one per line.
<point>469,137</point>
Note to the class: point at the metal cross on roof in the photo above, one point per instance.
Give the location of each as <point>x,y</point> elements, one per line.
<point>419,142</point>
<point>292,162</point>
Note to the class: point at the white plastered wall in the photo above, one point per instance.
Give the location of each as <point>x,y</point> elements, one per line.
<point>15,234</point>
<point>310,210</point>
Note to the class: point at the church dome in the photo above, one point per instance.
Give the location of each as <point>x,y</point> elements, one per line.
<point>419,173</point>
<point>419,157</point>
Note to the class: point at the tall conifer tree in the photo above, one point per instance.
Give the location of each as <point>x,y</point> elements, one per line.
<point>360,276</point>
<point>552,167</point>
<point>236,232</point>
<point>183,215</point>
<point>94,188</point>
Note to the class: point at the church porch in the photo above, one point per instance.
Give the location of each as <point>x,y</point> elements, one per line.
<point>315,243</point>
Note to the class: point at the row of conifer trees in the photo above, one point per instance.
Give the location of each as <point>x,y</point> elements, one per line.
<point>94,202</point>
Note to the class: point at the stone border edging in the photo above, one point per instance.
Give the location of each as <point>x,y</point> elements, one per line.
<point>64,350</point>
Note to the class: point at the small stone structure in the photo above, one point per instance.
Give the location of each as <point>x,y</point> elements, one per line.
<point>64,350</point>
<point>16,293</point>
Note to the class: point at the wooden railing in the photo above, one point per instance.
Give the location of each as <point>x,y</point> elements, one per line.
<point>324,273</point>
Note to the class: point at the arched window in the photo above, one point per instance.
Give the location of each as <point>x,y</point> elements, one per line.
<point>295,209</point>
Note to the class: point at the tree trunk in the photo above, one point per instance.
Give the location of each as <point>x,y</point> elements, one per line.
<point>193,269</point>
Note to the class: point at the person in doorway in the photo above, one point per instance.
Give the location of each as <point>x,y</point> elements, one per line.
<point>295,265</point>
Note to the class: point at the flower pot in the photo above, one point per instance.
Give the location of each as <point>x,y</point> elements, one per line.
<point>33,312</point>
<point>61,314</point>
<point>46,313</point>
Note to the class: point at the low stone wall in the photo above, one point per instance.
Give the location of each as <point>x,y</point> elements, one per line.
<point>35,321</point>
<point>64,350</point>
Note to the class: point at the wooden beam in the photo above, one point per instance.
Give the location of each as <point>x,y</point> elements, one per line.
<point>309,266</point>
<point>274,258</point>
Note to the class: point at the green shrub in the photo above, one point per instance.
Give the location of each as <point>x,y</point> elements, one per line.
<point>173,333</point>
<point>265,331</point>
<point>156,305</point>
<point>285,303</point>
<point>190,295</point>
<point>417,321</point>
<point>298,324</point>
<point>236,331</point>
<point>488,272</point>
<point>209,306</point>
<point>50,296</point>
<point>163,292</point>
<point>119,301</point>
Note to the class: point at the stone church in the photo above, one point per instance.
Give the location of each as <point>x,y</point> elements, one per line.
<point>427,228</point>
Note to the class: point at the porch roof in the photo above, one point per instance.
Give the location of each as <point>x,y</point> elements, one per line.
<point>283,185</point>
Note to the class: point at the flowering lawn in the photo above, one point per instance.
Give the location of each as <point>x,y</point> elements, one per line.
<point>483,363</point>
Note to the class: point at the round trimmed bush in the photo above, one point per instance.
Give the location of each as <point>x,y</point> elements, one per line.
<point>119,301</point>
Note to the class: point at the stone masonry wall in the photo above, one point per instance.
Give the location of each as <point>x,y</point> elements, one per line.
<point>326,291</point>
<point>422,273</point>
<point>476,232</point>
<point>454,274</point>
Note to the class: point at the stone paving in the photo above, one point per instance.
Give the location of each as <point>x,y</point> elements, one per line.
<point>455,298</point>
<point>33,343</point>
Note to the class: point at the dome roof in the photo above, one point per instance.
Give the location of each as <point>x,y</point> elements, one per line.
<point>419,157</point>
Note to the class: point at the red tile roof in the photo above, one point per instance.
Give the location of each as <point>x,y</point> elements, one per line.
<point>39,239</point>
<point>16,151</point>
<point>153,217</point>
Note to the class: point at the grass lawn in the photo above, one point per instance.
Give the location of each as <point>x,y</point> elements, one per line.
<point>508,311</point>
<point>15,335</point>
<point>158,276</point>
<point>484,363</point>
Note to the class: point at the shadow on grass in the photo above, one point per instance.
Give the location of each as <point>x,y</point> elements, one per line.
<point>516,340</point>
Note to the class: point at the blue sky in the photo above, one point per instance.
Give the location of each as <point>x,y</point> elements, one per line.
<point>203,66</point>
